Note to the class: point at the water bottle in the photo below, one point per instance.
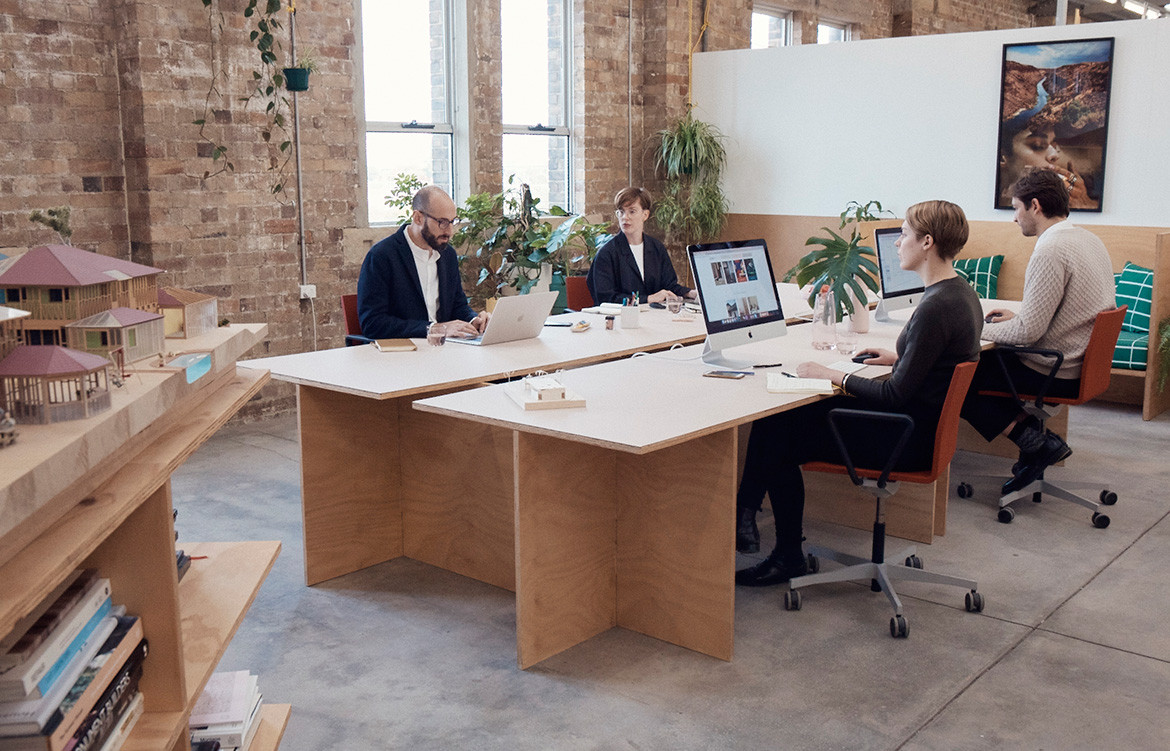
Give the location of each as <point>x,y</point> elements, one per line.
<point>824,322</point>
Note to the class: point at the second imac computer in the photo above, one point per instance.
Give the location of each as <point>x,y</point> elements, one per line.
<point>738,292</point>
<point>900,288</point>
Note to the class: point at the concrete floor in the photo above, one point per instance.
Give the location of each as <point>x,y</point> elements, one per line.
<point>1072,651</point>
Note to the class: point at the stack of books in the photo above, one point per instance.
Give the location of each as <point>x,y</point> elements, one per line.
<point>227,712</point>
<point>69,672</point>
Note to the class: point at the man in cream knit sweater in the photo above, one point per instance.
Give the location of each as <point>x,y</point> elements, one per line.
<point>1069,280</point>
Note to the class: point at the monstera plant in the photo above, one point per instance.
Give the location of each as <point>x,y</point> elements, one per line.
<point>841,262</point>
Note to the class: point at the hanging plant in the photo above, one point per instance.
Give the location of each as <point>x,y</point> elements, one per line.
<point>267,90</point>
<point>691,154</point>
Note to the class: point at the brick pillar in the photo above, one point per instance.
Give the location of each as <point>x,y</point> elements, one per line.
<point>486,101</point>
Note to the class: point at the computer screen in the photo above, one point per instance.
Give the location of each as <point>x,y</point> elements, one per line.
<point>738,291</point>
<point>900,288</point>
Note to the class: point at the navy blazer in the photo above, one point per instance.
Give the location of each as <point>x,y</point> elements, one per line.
<point>390,297</point>
<point>614,273</point>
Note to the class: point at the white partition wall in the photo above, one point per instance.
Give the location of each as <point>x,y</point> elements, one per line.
<point>902,120</point>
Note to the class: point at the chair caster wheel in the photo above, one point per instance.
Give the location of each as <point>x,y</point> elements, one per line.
<point>965,490</point>
<point>1005,515</point>
<point>974,602</point>
<point>1100,521</point>
<point>814,564</point>
<point>792,599</point>
<point>913,562</point>
<point>1108,497</point>
<point>1037,497</point>
<point>899,628</point>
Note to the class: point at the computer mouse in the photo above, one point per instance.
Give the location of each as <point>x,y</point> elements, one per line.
<point>658,306</point>
<point>989,318</point>
<point>864,357</point>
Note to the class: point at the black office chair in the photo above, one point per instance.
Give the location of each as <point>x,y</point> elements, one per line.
<point>1095,374</point>
<point>882,484</point>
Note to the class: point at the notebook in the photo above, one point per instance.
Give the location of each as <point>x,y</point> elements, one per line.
<point>517,317</point>
<point>782,384</point>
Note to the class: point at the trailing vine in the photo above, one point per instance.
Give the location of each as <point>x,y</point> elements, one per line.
<point>267,90</point>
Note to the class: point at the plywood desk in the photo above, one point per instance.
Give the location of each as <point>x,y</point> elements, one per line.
<point>625,510</point>
<point>380,480</point>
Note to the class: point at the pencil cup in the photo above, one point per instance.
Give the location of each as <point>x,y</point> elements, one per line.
<point>630,317</point>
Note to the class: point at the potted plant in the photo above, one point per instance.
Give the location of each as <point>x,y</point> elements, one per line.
<point>296,78</point>
<point>505,240</point>
<point>692,156</point>
<point>842,263</point>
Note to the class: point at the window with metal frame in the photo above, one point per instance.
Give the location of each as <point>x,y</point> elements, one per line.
<point>537,47</point>
<point>407,71</point>
<point>771,26</point>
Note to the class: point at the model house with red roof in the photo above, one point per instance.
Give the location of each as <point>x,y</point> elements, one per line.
<point>44,384</point>
<point>60,284</point>
<point>137,333</point>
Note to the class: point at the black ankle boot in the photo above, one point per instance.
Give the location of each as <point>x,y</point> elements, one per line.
<point>747,535</point>
<point>775,569</point>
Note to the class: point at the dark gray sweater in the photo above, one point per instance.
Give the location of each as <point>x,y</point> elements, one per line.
<point>943,332</point>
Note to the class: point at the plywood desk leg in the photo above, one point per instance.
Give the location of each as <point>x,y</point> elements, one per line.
<point>565,547</point>
<point>457,496</point>
<point>676,549</point>
<point>350,478</point>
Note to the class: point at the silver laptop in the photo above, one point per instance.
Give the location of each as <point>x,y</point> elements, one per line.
<point>516,317</point>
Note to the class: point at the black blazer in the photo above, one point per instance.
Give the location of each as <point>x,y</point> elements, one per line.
<point>390,297</point>
<point>614,273</point>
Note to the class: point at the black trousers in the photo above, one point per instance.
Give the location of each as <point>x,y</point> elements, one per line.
<point>991,414</point>
<point>779,444</point>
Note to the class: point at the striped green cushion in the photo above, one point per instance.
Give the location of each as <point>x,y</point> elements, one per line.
<point>1131,351</point>
<point>982,274</point>
<point>1135,288</point>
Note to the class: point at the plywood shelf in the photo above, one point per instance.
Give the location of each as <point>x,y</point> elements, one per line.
<point>115,516</point>
<point>213,598</point>
<point>45,562</point>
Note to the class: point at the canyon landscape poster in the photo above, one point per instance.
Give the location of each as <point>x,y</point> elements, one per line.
<point>1054,115</point>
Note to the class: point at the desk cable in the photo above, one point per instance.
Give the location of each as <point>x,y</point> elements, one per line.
<point>673,347</point>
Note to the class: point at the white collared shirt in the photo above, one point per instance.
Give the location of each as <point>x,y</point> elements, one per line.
<point>426,261</point>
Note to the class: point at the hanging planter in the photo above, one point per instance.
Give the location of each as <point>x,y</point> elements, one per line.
<point>296,79</point>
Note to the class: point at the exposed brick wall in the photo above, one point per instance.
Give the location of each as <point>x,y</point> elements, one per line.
<point>97,99</point>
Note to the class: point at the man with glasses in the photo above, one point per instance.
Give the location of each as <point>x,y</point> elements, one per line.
<point>410,283</point>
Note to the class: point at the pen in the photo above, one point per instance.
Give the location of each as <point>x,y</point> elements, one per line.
<point>786,374</point>
<point>768,365</point>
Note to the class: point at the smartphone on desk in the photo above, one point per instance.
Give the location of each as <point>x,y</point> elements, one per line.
<point>725,374</point>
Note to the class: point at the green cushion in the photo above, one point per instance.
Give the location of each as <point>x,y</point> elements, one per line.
<point>1135,287</point>
<point>982,274</point>
<point>1131,350</point>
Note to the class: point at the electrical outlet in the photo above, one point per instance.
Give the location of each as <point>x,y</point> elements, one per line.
<point>308,291</point>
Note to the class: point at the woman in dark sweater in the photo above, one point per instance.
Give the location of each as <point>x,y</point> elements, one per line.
<point>633,263</point>
<point>942,332</point>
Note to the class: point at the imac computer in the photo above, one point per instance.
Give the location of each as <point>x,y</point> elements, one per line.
<point>900,288</point>
<point>738,292</point>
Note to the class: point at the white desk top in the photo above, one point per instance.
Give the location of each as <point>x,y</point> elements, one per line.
<point>364,371</point>
<point>623,413</point>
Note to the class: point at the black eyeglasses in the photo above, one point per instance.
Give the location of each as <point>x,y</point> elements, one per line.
<point>443,223</point>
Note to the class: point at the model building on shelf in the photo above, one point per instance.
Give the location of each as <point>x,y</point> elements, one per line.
<point>81,313</point>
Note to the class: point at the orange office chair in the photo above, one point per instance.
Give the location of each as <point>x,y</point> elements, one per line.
<point>577,294</point>
<point>353,327</point>
<point>882,484</point>
<point>1095,372</point>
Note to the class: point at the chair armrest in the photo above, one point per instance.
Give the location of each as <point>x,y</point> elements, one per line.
<point>1058,360</point>
<point>843,414</point>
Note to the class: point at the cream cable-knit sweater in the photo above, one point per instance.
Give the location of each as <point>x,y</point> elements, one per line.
<point>1069,280</point>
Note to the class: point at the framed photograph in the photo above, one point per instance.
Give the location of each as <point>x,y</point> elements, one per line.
<point>1054,114</point>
